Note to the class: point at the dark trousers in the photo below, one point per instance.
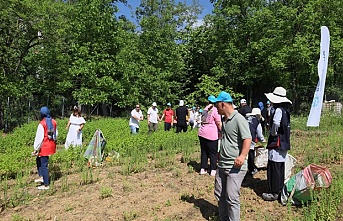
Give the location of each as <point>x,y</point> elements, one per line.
<point>251,161</point>
<point>275,176</point>
<point>167,126</point>
<point>43,168</point>
<point>191,124</point>
<point>209,149</point>
<point>181,127</point>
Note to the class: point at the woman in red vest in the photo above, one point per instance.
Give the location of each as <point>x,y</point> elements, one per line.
<point>44,146</point>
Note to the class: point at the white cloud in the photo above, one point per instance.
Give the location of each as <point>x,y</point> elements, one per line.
<point>198,23</point>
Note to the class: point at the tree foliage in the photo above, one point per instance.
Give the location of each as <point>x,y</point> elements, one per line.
<point>82,52</point>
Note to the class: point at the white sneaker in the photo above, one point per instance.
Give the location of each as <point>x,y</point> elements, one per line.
<point>43,187</point>
<point>203,171</point>
<point>40,180</point>
<point>213,172</point>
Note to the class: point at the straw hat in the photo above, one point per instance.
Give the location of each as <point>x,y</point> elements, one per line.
<point>278,96</point>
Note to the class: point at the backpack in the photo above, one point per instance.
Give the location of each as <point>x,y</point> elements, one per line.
<point>51,135</point>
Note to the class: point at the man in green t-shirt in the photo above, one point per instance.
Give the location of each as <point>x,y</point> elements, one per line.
<point>232,165</point>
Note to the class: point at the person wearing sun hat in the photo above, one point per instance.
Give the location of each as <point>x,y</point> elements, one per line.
<point>255,127</point>
<point>153,118</point>
<point>278,143</point>
<point>233,154</point>
<point>168,114</point>
<point>208,136</point>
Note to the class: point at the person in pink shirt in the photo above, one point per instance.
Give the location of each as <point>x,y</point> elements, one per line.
<point>208,135</point>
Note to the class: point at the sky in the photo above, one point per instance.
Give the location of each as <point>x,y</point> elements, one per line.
<point>125,10</point>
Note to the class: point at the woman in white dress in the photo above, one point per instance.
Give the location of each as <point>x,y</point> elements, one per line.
<point>75,125</point>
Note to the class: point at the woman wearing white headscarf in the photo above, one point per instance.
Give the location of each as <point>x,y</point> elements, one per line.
<point>278,143</point>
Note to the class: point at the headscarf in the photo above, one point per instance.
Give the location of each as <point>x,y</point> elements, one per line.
<point>45,113</point>
<point>260,105</point>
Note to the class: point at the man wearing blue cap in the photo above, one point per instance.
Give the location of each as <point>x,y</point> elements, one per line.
<point>232,165</point>
<point>168,114</point>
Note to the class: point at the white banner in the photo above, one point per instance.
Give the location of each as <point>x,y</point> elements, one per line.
<point>317,103</point>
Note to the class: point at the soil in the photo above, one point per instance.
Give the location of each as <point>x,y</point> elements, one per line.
<point>177,192</point>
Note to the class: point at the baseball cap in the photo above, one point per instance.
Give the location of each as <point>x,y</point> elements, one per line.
<point>243,101</point>
<point>168,104</point>
<point>224,97</point>
<point>211,99</point>
<point>154,104</point>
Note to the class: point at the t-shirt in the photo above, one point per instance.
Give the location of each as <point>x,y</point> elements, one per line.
<point>235,129</point>
<point>244,110</point>
<point>168,115</point>
<point>181,114</point>
<point>209,129</point>
<point>133,121</point>
<point>192,116</point>
<point>152,112</point>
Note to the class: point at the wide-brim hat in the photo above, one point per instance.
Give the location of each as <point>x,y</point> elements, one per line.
<point>255,112</point>
<point>278,96</point>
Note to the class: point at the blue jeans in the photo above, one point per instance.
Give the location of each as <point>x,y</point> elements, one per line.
<point>227,186</point>
<point>134,130</point>
<point>43,169</point>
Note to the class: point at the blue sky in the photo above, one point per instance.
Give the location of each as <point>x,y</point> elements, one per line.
<point>125,10</point>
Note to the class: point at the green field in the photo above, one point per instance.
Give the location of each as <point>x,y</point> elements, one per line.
<point>157,152</point>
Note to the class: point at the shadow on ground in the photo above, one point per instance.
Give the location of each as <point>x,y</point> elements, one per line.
<point>195,165</point>
<point>256,184</point>
<point>207,209</point>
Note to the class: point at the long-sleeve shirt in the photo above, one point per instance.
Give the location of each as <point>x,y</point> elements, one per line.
<point>276,155</point>
<point>39,137</point>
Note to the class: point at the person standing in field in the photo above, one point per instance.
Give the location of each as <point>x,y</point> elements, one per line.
<point>136,117</point>
<point>208,136</point>
<point>75,125</point>
<point>168,114</point>
<point>192,117</point>
<point>232,165</point>
<point>44,146</point>
<point>244,108</point>
<point>153,118</point>
<point>264,114</point>
<point>181,117</point>
<point>278,143</point>
<point>256,135</point>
